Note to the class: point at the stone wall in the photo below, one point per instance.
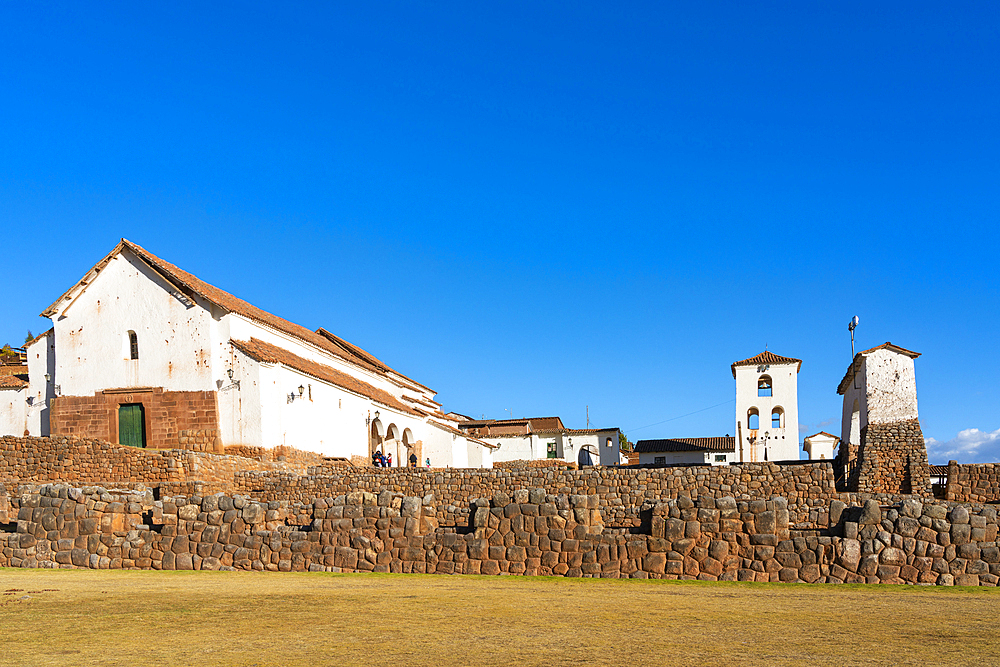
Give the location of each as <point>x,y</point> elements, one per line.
<point>534,463</point>
<point>892,458</point>
<point>279,453</point>
<point>93,462</point>
<point>173,419</point>
<point>621,491</point>
<point>529,532</point>
<point>973,483</point>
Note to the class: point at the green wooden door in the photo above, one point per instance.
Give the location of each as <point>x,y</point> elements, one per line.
<point>131,429</point>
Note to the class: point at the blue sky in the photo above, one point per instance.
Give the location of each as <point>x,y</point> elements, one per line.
<point>535,208</point>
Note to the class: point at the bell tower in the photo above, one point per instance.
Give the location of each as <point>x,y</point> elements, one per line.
<point>767,408</point>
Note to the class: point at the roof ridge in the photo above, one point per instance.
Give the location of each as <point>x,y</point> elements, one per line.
<point>192,285</point>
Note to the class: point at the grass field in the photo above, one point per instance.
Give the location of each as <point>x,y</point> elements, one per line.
<point>88,617</point>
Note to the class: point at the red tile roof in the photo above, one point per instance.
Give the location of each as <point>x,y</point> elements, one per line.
<point>723,444</point>
<point>272,354</point>
<point>849,375</point>
<point>12,382</point>
<point>764,358</point>
<point>39,337</point>
<point>191,286</point>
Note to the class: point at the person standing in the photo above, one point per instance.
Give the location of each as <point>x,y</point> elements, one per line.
<point>388,460</point>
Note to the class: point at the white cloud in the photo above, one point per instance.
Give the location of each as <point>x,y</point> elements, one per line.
<point>809,429</point>
<point>969,446</point>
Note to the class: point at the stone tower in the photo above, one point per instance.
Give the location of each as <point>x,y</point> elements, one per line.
<point>767,408</point>
<point>882,447</point>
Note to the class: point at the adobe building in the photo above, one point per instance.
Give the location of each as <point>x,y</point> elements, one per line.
<point>143,353</point>
<point>882,446</point>
<point>545,438</point>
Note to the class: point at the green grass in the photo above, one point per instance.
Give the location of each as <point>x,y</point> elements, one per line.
<point>92,617</point>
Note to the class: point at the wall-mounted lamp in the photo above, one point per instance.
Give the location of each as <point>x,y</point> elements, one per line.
<point>292,396</point>
<point>48,378</point>
<point>368,419</point>
<point>230,374</point>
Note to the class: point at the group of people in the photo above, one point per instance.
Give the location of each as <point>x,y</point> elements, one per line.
<point>380,460</point>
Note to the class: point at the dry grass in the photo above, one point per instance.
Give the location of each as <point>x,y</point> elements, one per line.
<point>240,618</point>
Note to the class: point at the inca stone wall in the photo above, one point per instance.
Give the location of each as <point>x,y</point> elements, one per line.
<point>86,462</point>
<point>530,532</point>
<point>973,483</point>
<point>892,458</point>
<point>621,491</point>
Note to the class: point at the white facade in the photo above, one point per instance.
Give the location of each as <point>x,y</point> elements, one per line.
<point>880,387</point>
<point>41,353</point>
<point>687,458</point>
<point>767,408</point>
<point>12,409</point>
<point>581,446</point>
<point>820,446</point>
<point>187,336</point>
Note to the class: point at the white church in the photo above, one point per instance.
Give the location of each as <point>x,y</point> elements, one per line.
<point>143,353</point>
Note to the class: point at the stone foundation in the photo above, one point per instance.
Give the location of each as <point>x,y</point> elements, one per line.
<point>529,532</point>
<point>892,458</point>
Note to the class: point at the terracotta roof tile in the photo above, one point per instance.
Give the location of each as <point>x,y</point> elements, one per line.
<point>39,337</point>
<point>190,285</point>
<point>766,357</point>
<point>12,382</point>
<point>586,431</point>
<point>829,435</point>
<point>723,444</point>
<point>268,353</point>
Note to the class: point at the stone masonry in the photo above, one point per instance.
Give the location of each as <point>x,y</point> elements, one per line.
<point>892,458</point>
<point>531,532</point>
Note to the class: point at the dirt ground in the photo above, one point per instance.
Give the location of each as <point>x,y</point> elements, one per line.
<point>87,617</point>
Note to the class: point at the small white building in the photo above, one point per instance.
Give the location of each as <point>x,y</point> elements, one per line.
<point>767,408</point>
<point>687,451</point>
<point>13,397</point>
<point>536,438</point>
<point>144,353</point>
<point>819,446</point>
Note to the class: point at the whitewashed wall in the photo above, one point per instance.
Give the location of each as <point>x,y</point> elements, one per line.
<point>12,411</point>
<point>783,442</point>
<point>91,334</point>
<point>41,361</point>
<point>819,446</point>
<point>891,387</point>
<point>693,458</point>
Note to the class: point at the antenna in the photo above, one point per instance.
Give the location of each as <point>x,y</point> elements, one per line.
<point>851,326</point>
<point>588,416</point>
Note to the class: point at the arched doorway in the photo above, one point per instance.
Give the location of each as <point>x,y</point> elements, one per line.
<point>392,445</point>
<point>588,456</point>
<point>375,439</point>
<point>410,450</point>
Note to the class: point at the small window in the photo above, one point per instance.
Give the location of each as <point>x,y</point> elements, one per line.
<point>720,458</point>
<point>764,385</point>
<point>133,345</point>
<point>551,450</point>
<point>660,459</point>
<point>608,443</point>
<point>777,418</point>
<point>753,419</point>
